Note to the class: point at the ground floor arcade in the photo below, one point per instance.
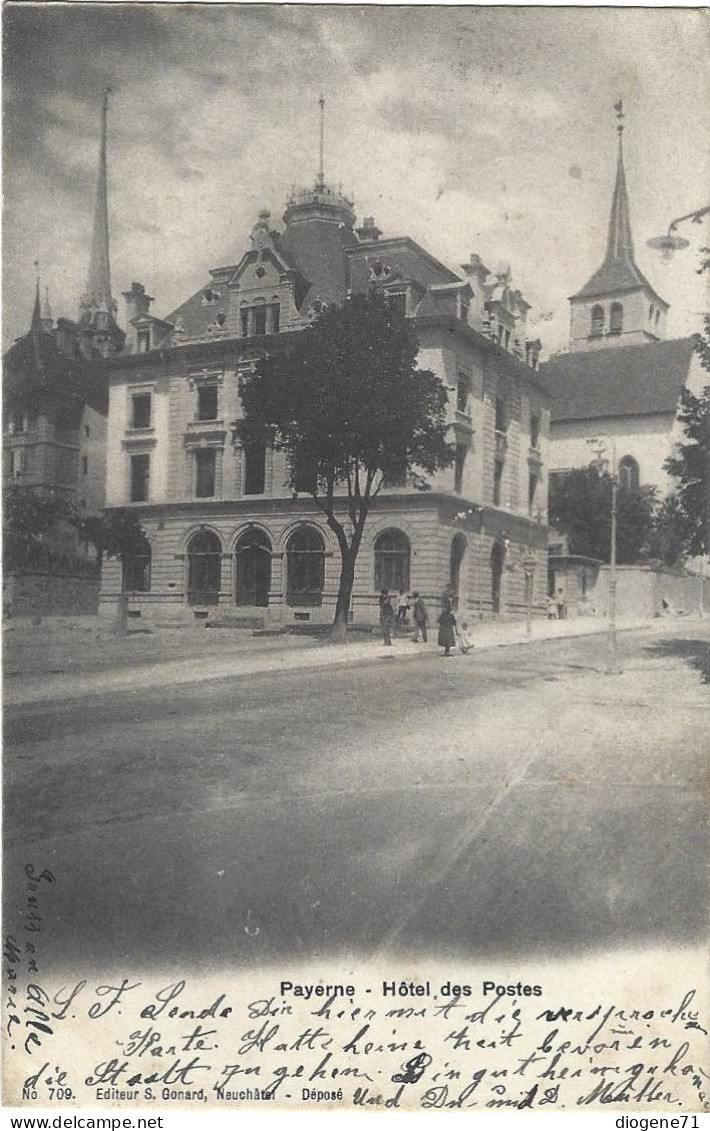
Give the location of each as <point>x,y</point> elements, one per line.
<point>281,565</point>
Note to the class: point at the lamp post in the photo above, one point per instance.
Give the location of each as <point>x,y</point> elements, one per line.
<point>599,443</point>
<point>529,563</point>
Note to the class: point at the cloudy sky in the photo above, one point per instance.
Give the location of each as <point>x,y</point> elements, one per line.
<point>469,129</point>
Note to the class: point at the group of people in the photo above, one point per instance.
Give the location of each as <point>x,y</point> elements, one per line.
<point>449,632</point>
<point>556,606</point>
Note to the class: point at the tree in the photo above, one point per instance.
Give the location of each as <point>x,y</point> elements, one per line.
<point>29,521</point>
<point>352,412</point>
<point>117,533</point>
<point>690,465</point>
<point>580,507</point>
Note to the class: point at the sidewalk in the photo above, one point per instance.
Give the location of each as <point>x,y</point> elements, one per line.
<point>251,656</point>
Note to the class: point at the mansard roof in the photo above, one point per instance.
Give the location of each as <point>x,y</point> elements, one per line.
<point>624,381</point>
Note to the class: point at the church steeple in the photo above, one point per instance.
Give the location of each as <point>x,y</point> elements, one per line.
<point>97,309</point>
<point>617,306</point>
<point>620,243</point>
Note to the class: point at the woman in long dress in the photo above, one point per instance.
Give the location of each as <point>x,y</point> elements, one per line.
<point>447,624</point>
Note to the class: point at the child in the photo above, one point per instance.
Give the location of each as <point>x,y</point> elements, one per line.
<point>465,642</point>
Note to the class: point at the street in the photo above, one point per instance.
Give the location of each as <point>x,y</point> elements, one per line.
<point>506,802</point>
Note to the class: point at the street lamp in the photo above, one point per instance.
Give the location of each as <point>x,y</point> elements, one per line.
<point>669,243</point>
<point>598,442</point>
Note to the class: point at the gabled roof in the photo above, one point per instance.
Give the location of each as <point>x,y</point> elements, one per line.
<point>624,381</point>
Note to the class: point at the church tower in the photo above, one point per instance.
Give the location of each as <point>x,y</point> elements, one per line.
<point>618,306</point>
<point>98,331</point>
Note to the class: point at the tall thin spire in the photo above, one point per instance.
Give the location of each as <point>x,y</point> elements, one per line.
<point>36,322</point>
<point>98,295</point>
<point>620,244</point>
<point>321,172</point>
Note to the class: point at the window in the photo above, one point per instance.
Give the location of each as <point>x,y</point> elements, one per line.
<point>497,481</point>
<point>143,341</point>
<point>506,338</point>
<point>254,468</point>
<point>306,480</point>
<point>221,318</point>
<point>140,478</point>
<point>658,315</point>
<point>398,299</point>
<point>204,568</point>
<point>141,411</point>
<point>205,461</point>
<point>275,317</point>
<point>136,573</point>
<point>534,430</point>
<point>616,318</point>
<point>463,310</point>
<point>19,422</point>
<point>458,467</point>
<point>259,319</point>
<point>501,418</point>
<point>84,465</point>
<point>392,559</point>
<point>15,463</point>
<point>305,566</point>
<point>650,312</point>
<point>244,317</point>
<point>532,490</point>
<point>597,321</point>
<point>462,386</point>
<point>207,402</point>
<point>87,431</point>
<point>629,477</point>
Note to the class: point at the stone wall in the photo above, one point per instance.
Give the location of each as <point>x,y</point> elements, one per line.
<point>28,594</point>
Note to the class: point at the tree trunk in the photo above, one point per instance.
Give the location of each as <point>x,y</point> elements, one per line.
<point>345,589</point>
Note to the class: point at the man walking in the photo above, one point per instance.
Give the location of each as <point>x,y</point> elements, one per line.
<point>386,618</point>
<point>421,617</point>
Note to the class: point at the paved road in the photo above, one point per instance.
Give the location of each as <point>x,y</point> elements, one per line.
<point>481,805</point>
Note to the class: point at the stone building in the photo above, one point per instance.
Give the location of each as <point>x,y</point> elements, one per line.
<point>621,378</point>
<point>227,536</point>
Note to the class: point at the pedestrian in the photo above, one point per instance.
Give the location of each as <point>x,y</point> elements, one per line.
<point>447,626</point>
<point>386,618</point>
<point>465,642</point>
<point>561,606</point>
<point>551,608</point>
<point>421,617</point>
<point>402,607</point>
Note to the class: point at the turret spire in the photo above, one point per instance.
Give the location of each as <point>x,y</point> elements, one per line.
<point>98,295</point>
<point>36,322</point>
<point>321,172</point>
<point>620,244</point>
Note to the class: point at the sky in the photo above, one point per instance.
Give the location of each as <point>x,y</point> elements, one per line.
<point>470,129</point>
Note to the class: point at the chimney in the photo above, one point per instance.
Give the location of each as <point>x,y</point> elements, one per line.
<point>369,232</point>
<point>66,337</point>
<point>137,301</point>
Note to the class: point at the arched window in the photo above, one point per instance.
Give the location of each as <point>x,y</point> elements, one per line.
<point>136,573</point>
<point>616,318</point>
<point>305,567</point>
<point>628,473</point>
<point>597,321</point>
<point>204,568</point>
<point>392,557</point>
<point>253,568</point>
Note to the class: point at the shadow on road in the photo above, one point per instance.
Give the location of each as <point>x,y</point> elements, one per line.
<point>696,653</point>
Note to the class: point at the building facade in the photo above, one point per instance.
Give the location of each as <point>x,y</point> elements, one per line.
<point>228,537</point>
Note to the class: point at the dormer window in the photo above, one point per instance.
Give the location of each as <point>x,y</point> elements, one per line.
<point>398,299</point>
<point>260,320</point>
<point>140,416</point>
<point>210,296</point>
<point>143,341</point>
<point>597,321</point>
<point>244,321</point>
<point>221,318</point>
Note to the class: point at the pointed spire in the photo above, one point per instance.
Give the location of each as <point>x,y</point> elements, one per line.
<point>321,172</point>
<point>620,244</point>
<point>36,322</point>
<point>98,295</point>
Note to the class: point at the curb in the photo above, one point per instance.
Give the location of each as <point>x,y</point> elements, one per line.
<point>337,658</point>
